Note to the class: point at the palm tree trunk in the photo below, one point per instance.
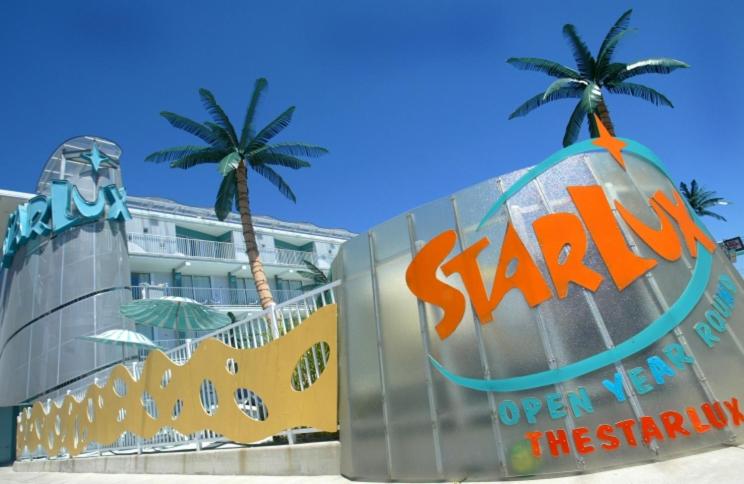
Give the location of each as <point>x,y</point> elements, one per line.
<point>249,236</point>
<point>604,116</point>
<point>593,131</point>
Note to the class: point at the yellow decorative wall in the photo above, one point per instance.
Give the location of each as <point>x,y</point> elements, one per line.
<point>266,371</point>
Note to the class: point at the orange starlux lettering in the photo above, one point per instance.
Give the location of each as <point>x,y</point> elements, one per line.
<point>690,231</point>
<point>526,277</point>
<point>624,266</point>
<point>563,242</point>
<point>466,264</point>
<point>559,230</point>
<point>421,278</point>
<point>663,240</point>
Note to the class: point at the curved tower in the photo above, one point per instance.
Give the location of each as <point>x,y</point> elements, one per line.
<point>65,271</point>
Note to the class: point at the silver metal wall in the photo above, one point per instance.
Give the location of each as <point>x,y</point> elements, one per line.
<point>64,286</point>
<point>402,420</point>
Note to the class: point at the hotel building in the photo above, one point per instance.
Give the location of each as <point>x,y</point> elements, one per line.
<point>68,283</point>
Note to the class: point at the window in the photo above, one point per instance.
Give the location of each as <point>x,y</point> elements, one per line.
<point>140,278</point>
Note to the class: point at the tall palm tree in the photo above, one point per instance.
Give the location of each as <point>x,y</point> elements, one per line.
<point>701,200</point>
<point>592,77</point>
<point>233,156</point>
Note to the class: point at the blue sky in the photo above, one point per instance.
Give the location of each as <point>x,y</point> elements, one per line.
<point>411,97</point>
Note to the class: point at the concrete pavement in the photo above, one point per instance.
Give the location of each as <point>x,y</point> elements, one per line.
<point>720,466</point>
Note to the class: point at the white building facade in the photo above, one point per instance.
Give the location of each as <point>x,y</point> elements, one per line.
<point>179,250</point>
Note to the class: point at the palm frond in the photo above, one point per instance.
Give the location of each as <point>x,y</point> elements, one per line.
<point>220,133</point>
<point>208,155</point>
<point>279,159</point>
<point>582,56</point>
<point>272,129</point>
<point>562,83</point>
<point>661,65</point>
<point>543,65</point>
<point>226,195</point>
<point>603,61</point>
<point>306,275</point>
<point>314,273</point>
<point>292,149</point>
<point>174,153</point>
<point>711,201</point>
<point>229,163</point>
<point>218,114</point>
<point>685,190</point>
<point>573,128</point>
<point>540,99</point>
<point>190,126</point>
<point>640,91</point>
<point>620,25</point>
<point>247,133</point>
<point>276,180</point>
<point>590,97</point>
<point>611,71</point>
<point>700,199</point>
<point>709,213</point>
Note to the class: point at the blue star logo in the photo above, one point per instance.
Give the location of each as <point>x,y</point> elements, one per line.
<point>95,157</point>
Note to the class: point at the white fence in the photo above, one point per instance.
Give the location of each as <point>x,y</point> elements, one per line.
<point>214,296</point>
<point>252,332</point>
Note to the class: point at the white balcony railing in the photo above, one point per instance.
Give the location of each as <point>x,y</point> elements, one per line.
<point>183,247</point>
<point>215,296</point>
<point>180,246</point>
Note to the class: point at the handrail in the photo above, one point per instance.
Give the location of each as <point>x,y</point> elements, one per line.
<point>266,313</point>
<point>213,296</point>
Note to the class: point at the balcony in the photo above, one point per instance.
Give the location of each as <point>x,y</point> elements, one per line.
<point>185,248</point>
<point>213,296</point>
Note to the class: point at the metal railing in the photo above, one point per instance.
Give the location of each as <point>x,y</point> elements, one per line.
<point>252,332</point>
<point>183,247</point>
<point>215,296</point>
<point>180,246</point>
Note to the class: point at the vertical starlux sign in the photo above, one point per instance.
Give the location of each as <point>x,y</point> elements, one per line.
<point>564,318</point>
<point>64,209</point>
<point>562,239</point>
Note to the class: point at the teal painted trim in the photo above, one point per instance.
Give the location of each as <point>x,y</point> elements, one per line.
<point>557,157</point>
<point>195,234</point>
<point>280,244</point>
<point>665,323</point>
<point>177,279</point>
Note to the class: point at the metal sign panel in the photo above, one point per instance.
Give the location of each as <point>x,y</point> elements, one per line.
<point>566,318</point>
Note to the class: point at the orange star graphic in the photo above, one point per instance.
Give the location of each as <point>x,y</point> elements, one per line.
<point>609,142</point>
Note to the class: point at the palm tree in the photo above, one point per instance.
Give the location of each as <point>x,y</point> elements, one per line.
<point>700,199</point>
<point>234,155</point>
<point>592,77</point>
